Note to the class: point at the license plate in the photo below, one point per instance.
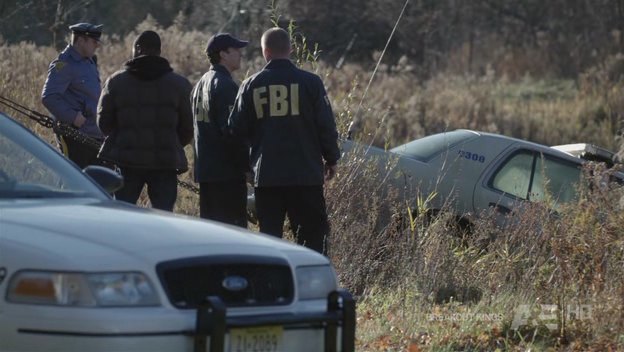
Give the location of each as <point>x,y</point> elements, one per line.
<point>257,339</point>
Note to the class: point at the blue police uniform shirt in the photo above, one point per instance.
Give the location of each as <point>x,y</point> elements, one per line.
<point>73,85</point>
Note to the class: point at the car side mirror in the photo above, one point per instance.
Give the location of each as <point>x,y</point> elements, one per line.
<point>105,177</point>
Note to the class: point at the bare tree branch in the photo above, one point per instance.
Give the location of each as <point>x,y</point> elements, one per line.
<point>18,9</point>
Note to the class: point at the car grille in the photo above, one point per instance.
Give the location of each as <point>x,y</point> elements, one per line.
<point>240,281</point>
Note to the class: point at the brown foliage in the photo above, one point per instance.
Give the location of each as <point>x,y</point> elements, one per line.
<point>377,243</point>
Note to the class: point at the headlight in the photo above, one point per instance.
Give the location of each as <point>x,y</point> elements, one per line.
<point>82,289</point>
<point>315,282</point>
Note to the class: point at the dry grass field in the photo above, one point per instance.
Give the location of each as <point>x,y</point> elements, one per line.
<point>546,284</point>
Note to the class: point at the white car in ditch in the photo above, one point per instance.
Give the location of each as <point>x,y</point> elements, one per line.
<point>80,271</point>
<point>471,173</point>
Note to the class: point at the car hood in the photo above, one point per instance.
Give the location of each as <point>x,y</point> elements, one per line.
<point>93,234</point>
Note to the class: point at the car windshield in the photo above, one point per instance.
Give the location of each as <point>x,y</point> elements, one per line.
<point>425,148</point>
<point>29,168</point>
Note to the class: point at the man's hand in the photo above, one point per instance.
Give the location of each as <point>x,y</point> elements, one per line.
<point>330,171</point>
<point>79,120</point>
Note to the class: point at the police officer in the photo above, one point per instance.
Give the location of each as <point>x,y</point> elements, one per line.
<point>219,166</point>
<point>72,89</point>
<point>283,112</point>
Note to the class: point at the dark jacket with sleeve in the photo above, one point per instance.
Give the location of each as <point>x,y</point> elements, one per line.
<point>284,113</point>
<point>73,85</point>
<point>217,158</point>
<point>145,113</point>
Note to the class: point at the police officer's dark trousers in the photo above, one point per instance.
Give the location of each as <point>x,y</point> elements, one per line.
<point>162,186</point>
<point>305,206</point>
<point>81,154</point>
<point>224,201</point>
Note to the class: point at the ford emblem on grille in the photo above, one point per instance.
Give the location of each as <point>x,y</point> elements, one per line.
<point>234,283</point>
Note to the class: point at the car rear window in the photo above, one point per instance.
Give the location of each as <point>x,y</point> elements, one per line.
<point>425,148</point>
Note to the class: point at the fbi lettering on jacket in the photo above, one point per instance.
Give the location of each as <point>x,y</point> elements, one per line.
<point>282,100</point>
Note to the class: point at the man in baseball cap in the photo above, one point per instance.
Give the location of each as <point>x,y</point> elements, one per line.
<point>223,41</point>
<point>219,167</point>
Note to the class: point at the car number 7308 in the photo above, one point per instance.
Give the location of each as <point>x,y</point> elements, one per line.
<point>471,156</point>
<point>260,339</point>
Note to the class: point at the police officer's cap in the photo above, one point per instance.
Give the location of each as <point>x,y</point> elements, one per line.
<point>87,29</point>
<point>223,41</point>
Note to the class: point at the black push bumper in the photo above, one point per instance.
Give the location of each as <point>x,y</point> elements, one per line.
<point>212,322</point>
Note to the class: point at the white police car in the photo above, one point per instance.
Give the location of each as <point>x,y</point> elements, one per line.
<point>82,272</point>
<point>472,172</point>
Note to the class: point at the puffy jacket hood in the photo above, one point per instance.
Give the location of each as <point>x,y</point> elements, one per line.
<point>148,67</point>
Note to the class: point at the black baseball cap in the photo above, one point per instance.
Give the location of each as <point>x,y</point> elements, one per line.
<point>222,41</point>
<point>87,29</point>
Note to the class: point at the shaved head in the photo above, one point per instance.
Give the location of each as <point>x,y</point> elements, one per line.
<point>147,43</point>
<point>276,42</point>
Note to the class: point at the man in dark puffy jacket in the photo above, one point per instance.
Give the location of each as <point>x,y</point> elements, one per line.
<point>283,112</point>
<point>220,166</point>
<point>145,113</point>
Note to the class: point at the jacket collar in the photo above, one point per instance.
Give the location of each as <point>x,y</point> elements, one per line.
<point>279,63</point>
<point>221,69</point>
<point>74,54</point>
<point>148,67</point>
